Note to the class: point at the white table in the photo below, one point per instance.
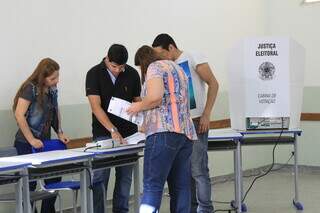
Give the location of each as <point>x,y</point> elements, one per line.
<point>271,137</point>
<point>220,138</point>
<point>117,153</point>
<point>51,159</point>
<point>9,168</point>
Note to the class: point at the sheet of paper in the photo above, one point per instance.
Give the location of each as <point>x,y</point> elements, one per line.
<point>119,108</point>
<point>136,138</point>
<point>223,133</point>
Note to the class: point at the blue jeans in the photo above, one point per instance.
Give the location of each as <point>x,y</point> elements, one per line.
<point>200,185</point>
<point>121,193</point>
<point>167,157</point>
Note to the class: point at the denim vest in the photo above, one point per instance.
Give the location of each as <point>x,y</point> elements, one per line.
<point>41,118</point>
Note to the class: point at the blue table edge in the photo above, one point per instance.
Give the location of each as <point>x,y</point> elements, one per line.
<point>14,167</point>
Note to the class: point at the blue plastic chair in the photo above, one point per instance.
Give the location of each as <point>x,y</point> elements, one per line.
<point>51,145</point>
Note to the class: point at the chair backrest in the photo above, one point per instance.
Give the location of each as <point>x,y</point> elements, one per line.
<point>8,151</point>
<point>50,145</point>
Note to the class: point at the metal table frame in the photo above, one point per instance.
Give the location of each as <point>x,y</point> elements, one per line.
<point>255,138</point>
<point>54,159</point>
<point>230,141</point>
<point>9,168</point>
<point>270,137</point>
<point>115,154</point>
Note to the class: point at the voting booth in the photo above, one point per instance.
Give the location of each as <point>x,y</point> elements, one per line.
<point>266,77</point>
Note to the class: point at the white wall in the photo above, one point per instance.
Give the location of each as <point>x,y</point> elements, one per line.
<point>77,34</point>
<point>301,22</point>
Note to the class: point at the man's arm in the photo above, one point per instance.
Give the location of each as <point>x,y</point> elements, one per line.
<point>205,73</point>
<point>95,103</point>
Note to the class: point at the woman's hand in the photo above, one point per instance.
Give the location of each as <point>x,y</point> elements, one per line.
<point>135,108</point>
<point>36,143</point>
<point>63,138</point>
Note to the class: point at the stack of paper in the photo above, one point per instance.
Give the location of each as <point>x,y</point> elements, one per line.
<point>135,138</point>
<point>109,143</point>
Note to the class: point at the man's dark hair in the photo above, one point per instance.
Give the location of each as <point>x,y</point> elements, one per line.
<point>118,54</point>
<point>164,40</point>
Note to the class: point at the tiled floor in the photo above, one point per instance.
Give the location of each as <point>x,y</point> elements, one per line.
<point>274,193</point>
<point>271,194</point>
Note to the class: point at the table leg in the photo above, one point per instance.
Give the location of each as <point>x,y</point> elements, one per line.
<point>234,203</point>
<point>84,191</point>
<point>239,173</point>
<point>296,202</point>
<point>26,191</point>
<point>18,190</point>
<point>136,187</point>
<point>90,192</point>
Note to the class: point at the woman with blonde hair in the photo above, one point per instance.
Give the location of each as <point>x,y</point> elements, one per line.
<point>36,110</point>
